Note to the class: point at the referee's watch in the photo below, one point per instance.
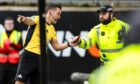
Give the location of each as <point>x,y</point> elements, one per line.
<point>68,44</point>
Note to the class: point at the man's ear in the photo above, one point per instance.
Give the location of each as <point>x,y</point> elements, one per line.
<point>48,12</point>
<point>112,15</point>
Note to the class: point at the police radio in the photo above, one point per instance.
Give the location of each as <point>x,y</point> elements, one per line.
<point>121,33</point>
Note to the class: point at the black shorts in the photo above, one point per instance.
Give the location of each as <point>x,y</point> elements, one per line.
<point>28,68</point>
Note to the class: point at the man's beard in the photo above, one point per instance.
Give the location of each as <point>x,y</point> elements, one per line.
<point>103,21</point>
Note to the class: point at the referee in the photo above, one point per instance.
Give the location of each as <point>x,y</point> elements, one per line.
<point>28,68</point>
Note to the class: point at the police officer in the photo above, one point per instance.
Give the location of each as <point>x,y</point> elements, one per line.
<point>125,69</point>
<point>108,35</point>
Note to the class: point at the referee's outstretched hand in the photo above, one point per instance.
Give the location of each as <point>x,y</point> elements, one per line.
<point>21,18</point>
<point>74,41</point>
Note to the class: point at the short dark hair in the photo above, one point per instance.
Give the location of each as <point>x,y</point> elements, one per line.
<point>8,18</point>
<point>52,6</point>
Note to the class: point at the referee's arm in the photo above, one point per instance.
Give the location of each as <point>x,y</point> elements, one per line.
<point>60,46</point>
<point>25,20</point>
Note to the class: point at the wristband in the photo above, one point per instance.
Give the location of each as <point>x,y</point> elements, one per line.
<point>68,44</point>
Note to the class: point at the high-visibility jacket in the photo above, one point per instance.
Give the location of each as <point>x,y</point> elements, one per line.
<point>125,69</point>
<point>109,38</point>
<point>14,38</point>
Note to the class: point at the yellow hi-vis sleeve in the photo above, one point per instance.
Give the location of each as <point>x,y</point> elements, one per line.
<point>127,26</point>
<point>88,40</point>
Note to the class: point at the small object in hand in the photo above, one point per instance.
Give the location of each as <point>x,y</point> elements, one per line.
<point>77,39</point>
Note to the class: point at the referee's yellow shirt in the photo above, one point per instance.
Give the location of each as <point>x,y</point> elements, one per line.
<point>32,41</point>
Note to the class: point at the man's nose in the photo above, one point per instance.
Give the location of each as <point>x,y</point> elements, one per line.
<point>59,17</point>
<point>100,17</point>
